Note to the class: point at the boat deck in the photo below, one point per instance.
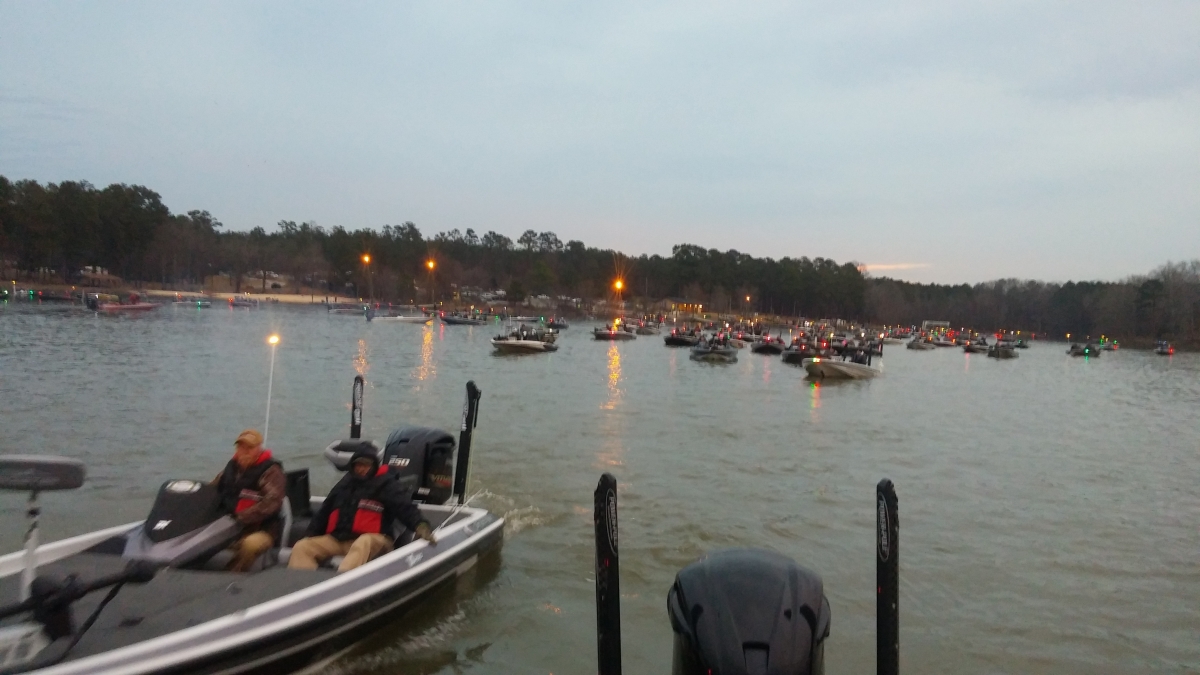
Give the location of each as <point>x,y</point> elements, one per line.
<point>174,600</point>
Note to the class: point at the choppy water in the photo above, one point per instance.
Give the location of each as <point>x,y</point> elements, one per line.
<point>1049,508</point>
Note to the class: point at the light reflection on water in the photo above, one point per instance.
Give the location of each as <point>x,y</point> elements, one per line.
<point>1048,506</point>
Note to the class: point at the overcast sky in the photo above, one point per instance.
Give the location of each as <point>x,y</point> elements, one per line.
<point>941,141</point>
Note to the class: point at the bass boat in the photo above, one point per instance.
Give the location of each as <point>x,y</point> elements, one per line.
<point>462,320</point>
<point>682,337</point>
<point>1089,349</point>
<point>825,367</point>
<point>612,332</point>
<point>171,608</point>
<point>1164,348</point>
<point>715,350</point>
<point>921,344</point>
<point>1002,350</point>
<point>769,346</point>
<point>525,340</point>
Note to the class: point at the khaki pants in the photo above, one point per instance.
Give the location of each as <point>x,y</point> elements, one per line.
<point>248,548</point>
<point>309,552</point>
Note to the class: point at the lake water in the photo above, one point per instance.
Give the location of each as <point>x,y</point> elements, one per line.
<point>1049,506</point>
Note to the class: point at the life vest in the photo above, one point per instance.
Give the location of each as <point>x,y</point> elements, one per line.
<point>368,518</point>
<point>358,506</point>
<point>239,493</point>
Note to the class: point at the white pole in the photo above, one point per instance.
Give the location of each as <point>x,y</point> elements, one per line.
<point>270,381</point>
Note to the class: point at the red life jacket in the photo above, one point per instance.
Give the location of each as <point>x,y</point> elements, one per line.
<point>368,518</point>
<point>239,493</point>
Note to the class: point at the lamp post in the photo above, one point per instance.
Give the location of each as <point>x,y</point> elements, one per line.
<point>273,340</point>
<point>431,264</point>
<point>370,285</point>
<point>618,285</point>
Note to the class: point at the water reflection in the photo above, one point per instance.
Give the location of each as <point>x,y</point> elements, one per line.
<point>612,452</point>
<point>614,378</point>
<point>360,360</point>
<point>426,369</point>
<point>815,400</point>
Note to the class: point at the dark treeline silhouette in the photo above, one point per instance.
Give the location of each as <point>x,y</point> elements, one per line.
<point>58,230</point>
<point>55,231</point>
<point>1163,305</point>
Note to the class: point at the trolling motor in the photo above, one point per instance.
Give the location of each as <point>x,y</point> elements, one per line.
<point>40,642</point>
<point>746,611</point>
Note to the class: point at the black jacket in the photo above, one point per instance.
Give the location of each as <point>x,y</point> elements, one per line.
<point>379,496</point>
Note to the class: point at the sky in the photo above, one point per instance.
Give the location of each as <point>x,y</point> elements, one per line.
<point>931,141</point>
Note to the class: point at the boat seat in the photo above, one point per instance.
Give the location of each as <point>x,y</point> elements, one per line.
<point>221,559</point>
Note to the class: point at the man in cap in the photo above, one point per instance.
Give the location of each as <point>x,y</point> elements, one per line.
<point>358,517</point>
<point>252,489</point>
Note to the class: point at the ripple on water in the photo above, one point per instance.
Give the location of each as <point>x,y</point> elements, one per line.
<point>1048,505</point>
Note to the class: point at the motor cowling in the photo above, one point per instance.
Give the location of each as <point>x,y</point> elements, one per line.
<point>748,612</point>
<point>423,457</point>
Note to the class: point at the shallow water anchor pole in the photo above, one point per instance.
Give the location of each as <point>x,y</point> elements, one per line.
<point>31,544</point>
<point>887,580</point>
<point>608,578</point>
<point>470,418</point>
<point>356,402</point>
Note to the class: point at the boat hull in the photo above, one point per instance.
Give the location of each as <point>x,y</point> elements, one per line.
<point>404,319</point>
<point>523,346</point>
<point>826,368</point>
<point>137,307</point>
<point>681,341</point>
<point>771,348</point>
<point>728,355</point>
<point>612,335</point>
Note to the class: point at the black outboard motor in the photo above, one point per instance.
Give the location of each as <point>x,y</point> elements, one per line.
<point>748,612</point>
<point>423,457</point>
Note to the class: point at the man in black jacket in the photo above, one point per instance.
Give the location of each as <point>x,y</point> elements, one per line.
<point>357,517</point>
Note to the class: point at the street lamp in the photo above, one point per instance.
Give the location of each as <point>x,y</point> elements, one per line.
<point>618,285</point>
<point>370,286</point>
<point>430,264</point>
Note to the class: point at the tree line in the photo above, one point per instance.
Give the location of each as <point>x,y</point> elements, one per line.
<point>1161,305</point>
<point>57,230</point>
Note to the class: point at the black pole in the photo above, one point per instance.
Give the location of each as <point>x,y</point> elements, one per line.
<point>469,420</point>
<point>608,578</point>
<point>887,580</point>
<point>356,396</point>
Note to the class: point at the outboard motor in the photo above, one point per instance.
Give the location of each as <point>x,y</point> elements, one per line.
<point>185,524</point>
<point>748,612</point>
<point>423,457</point>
